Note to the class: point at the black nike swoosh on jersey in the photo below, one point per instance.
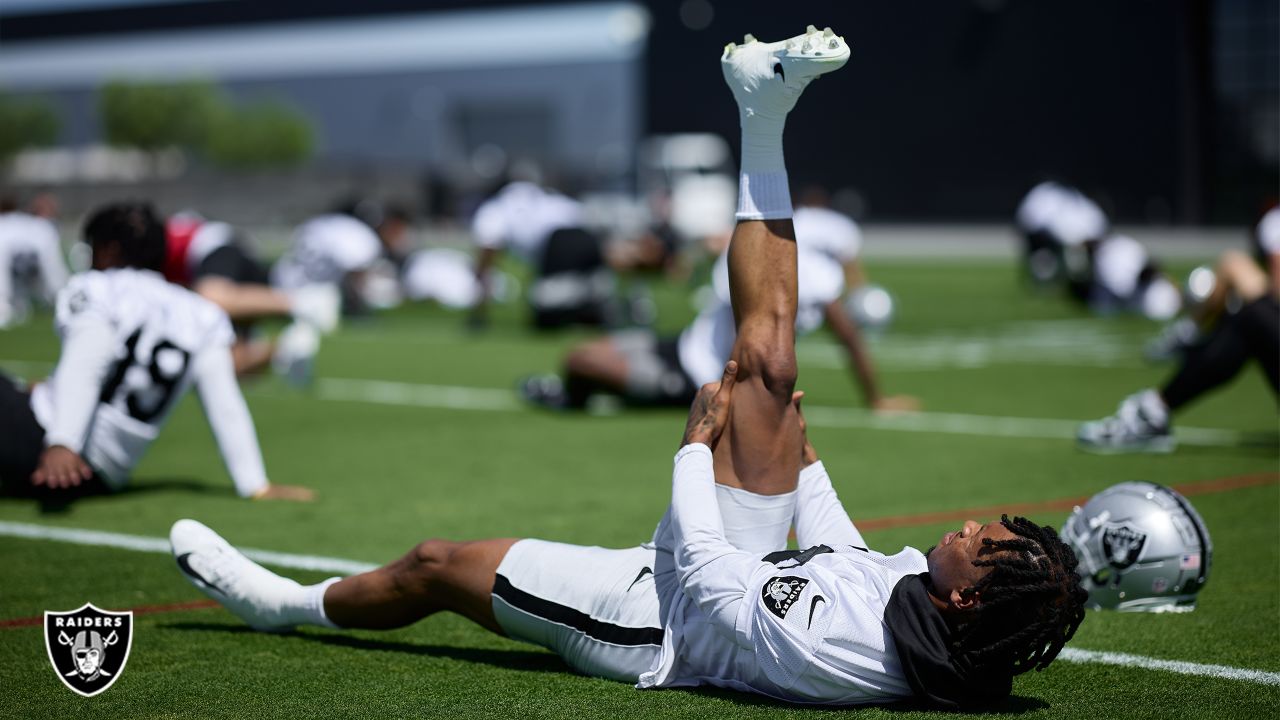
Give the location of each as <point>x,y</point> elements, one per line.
<point>813,605</point>
<point>185,566</point>
<point>643,571</point>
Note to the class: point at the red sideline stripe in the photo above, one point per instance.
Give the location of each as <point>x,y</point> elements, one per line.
<point>1194,488</point>
<point>140,610</point>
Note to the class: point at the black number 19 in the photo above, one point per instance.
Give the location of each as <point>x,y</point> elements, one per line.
<point>167,382</point>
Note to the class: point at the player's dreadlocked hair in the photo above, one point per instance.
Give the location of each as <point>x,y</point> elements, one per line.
<point>1030,603</point>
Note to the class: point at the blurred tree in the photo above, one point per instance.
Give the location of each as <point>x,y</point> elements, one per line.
<point>25,123</point>
<point>197,117</point>
<point>266,134</point>
<point>154,116</point>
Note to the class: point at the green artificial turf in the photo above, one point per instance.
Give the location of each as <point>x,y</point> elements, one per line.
<point>967,340</point>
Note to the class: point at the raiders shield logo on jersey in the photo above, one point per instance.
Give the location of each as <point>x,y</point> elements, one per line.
<point>780,593</point>
<point>1122,546</point>
<point>88,647</point>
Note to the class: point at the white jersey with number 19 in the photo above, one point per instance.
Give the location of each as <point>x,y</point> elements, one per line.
<point>133,344</point>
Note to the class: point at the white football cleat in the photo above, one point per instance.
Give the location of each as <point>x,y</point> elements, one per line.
<point>767,78</point>
<point>251,592</point>
<point>317,305</point>
<point>295,353</point>
<point>1140,425</point>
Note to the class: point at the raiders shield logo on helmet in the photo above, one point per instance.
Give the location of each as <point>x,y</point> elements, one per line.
<point>1122,545</point>
<point>88,647</point>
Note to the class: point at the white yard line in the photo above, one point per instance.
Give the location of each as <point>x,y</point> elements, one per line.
<point>139,543</point>
<point>455,397</point>
<point>414,394</point>
<point>493,399</point>
<point>100,538</point>
<point>989,425</point>
<point>1225,672</point>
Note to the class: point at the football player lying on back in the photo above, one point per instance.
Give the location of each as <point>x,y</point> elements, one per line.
<point>834,624</point>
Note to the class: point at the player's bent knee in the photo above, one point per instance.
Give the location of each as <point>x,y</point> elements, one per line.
<point>1239,273</point>
<point>429,558</point>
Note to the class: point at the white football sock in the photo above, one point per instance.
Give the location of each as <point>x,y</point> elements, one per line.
<point>315,603</point>
<point>287,603</point>
<point>763,190</point>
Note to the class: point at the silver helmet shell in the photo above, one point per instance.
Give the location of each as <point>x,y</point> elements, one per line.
<point>871,306</point>
<point>1200,285</point>
<point>1142,548</point>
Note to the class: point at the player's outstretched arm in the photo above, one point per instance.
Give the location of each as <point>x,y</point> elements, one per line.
<point>87,352</point>
<point>820,517</point>
<point>711,571</point>
<point>232,426</point>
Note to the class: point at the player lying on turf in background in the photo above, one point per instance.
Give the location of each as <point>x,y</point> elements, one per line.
<point>646,369</point>
<point>1067,240</point>
<point>212,258</point>
<point>132,345</point>
<point>834,624</point>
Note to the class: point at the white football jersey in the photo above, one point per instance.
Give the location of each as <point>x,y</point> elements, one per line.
<point>1117,264</point>
<point>809,633</point>
<point>444,275</point>
<point>520,218</point>
<point>1063,212</point>
<point>29,247</point>
<point>159,329</point>
<point>706,345</point>
<point>826,231</point>
<point>324,250</point>
<point>210,237</point>
<point>805,627</point>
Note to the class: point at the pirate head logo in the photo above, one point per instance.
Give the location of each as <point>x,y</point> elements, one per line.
<point>88,647</point>
<point>780,593</point>
<point>1122,546</point>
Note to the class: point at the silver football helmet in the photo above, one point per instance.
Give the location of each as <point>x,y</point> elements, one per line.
<point>1200,285</point>
<point>871,306</point>
<point>1142,548</point>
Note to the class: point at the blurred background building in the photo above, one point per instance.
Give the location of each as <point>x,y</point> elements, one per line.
<point>1168,111</point>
